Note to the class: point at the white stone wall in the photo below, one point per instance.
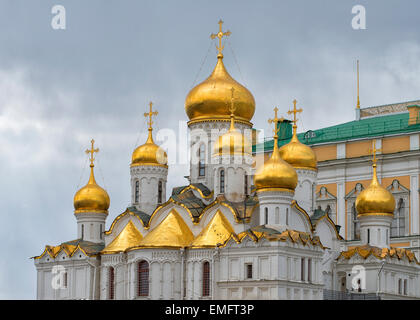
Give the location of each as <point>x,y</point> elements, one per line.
<point>306,189</point>
<point>207,133</point>
<point>381,276</point>
<point>93,226</point>
<point>277,205</point>
<point>235,167</point>
<point>378,228</point>
<point>82,277</point>
<point>148,177</point>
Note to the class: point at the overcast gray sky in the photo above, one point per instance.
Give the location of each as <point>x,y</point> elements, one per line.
<point>60,88</point>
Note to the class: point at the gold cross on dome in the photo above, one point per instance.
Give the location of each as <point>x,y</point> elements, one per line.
<point>373,151</point>
<point>294,111</point>
<point>220,35</point>
<point>92,151</point>
<point>150,114</point>
<point>276,120</point>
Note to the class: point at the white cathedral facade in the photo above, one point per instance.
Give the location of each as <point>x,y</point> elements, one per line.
<point>237,231</point>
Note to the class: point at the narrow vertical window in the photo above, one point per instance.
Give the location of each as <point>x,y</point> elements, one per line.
<point>277,216</point>
<point>136,192</point>
<point>401,217</point>
<point>111,288</point>
<point>83,231</point>
<point>202,161</point>
<point>399,286</point>
<point>302,269</point>
<point>206,279</point>
<point>249,271</point>
<point>100,231</point>
<point>246,184</point>
<point>405,287</point>
<point>160,192</point>
<point>356,224</point>
<point>143,279</point>
<point>287,216</point>
<point>368,236</point>
<point>309,269</point>
<point>222,181</point>
<point>266,216</point>
<point>65,280</point>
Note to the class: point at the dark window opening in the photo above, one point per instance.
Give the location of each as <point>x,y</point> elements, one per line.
<point>143,279</point>
<point>206,279</point>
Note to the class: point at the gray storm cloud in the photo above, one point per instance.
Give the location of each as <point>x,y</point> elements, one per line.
<point>60,88</point>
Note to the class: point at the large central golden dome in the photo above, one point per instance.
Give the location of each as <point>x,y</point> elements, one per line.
<point>208,100</point>
<point>375,199</point>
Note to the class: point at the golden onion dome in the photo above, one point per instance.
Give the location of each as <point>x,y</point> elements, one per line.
<point>297,154</point>
<point>91,198</point>
<point>149,154</point>
<point>375,199</point>
<point>208,100</point>
<point>232,142</point>
<point>276,173</point>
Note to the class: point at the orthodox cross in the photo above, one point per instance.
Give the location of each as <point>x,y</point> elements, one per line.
<point>220,35</point>
<point>150,114</point>
<point>373,151</point>
<point>276,120</point>
<point>294,111</point>
<point>92,151</point>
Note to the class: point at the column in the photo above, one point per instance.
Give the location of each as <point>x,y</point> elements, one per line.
<point>414,204</point>
<point>341,207</point>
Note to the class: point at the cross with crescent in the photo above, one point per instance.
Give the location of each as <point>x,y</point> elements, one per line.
<point>92,151</point>
<point>220,35</point>
<point>294,111</point>
<point>150,114</point>
<point>276,120</point>
<point>373,151</point>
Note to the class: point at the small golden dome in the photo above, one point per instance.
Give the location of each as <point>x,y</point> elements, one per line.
<point>375,199</point>
<point>149,154</point>
<point>276,173</point>
<point>208,100</point>
<point>232,142</point>
<point>91,198</point>
<point>298,155</point>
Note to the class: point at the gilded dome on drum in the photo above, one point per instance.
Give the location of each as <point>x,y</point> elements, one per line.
<point>208,100</point>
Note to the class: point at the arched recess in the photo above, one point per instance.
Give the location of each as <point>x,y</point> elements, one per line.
<point>299,219</point>
<point>327,232</point>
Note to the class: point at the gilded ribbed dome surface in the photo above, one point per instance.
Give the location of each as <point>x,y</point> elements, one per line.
<point>375,199</point>
<point>298,155</point>
<point>208,100</point>
<point>91,198</point>
<point>149,154</point>
<point>276,173</point>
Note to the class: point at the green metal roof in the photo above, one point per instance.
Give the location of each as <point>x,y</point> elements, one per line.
<point>364,128</point>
